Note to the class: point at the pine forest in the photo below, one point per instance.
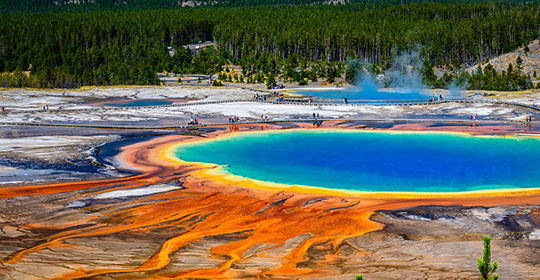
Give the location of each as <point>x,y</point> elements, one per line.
<point>68,46</point>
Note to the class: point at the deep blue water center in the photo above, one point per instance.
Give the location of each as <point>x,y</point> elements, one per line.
<point>375,161</point>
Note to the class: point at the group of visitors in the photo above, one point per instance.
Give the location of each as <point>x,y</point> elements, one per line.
<point>234,119</point>
<point>474,117</point>
<point>433,99</point>
<point>315,116</point>
<point>279,86</point>
<point>528,118</point>
<point>264,118</point>
<point>279,99</point>
<point>261,97</point>
<point>194,121</point>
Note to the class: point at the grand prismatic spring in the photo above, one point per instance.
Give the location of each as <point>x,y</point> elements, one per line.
<point>375,161</point>
<point>198,208</point>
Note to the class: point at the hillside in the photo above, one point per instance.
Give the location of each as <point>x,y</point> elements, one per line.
<point>530,64</point>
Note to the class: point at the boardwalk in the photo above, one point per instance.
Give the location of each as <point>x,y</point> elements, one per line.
<point>285,102</point>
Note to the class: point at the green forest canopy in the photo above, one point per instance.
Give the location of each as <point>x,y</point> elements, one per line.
<point>128,46</point>
<point>17,6</point>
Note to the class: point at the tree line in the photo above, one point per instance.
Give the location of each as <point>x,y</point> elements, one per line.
<point>296,42</point>
<point>25,6</point>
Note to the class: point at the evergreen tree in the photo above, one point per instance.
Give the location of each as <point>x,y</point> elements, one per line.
<point>271,81</point>
<point>429,77</point>
<point>331,74</point>
<point>519,62</point>
<point>354,70</point>
<point>486,268</point>
<point>313,76</point>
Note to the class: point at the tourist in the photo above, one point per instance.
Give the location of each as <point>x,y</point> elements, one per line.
<point>314,115</point>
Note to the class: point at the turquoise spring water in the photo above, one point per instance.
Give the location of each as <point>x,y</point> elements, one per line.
<point>357,94</point>
<point>369,90</point>
<point>139,102</point>
<point>375,161</point>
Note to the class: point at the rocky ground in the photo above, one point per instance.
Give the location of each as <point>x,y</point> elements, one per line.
<point>428,242</point>
<point>424,242</point>
<point>88,107</point>
<point>443,241</point>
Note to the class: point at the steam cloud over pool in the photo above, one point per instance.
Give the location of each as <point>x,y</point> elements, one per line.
<point>374,161</point>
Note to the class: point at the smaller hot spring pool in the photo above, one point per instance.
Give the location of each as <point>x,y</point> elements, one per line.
<point>359,94</point>
<point>139,102</point>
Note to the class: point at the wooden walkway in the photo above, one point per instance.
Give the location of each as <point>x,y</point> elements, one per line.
<point>304,120</point>
<point>286,102</point>
<point>410,102</point>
